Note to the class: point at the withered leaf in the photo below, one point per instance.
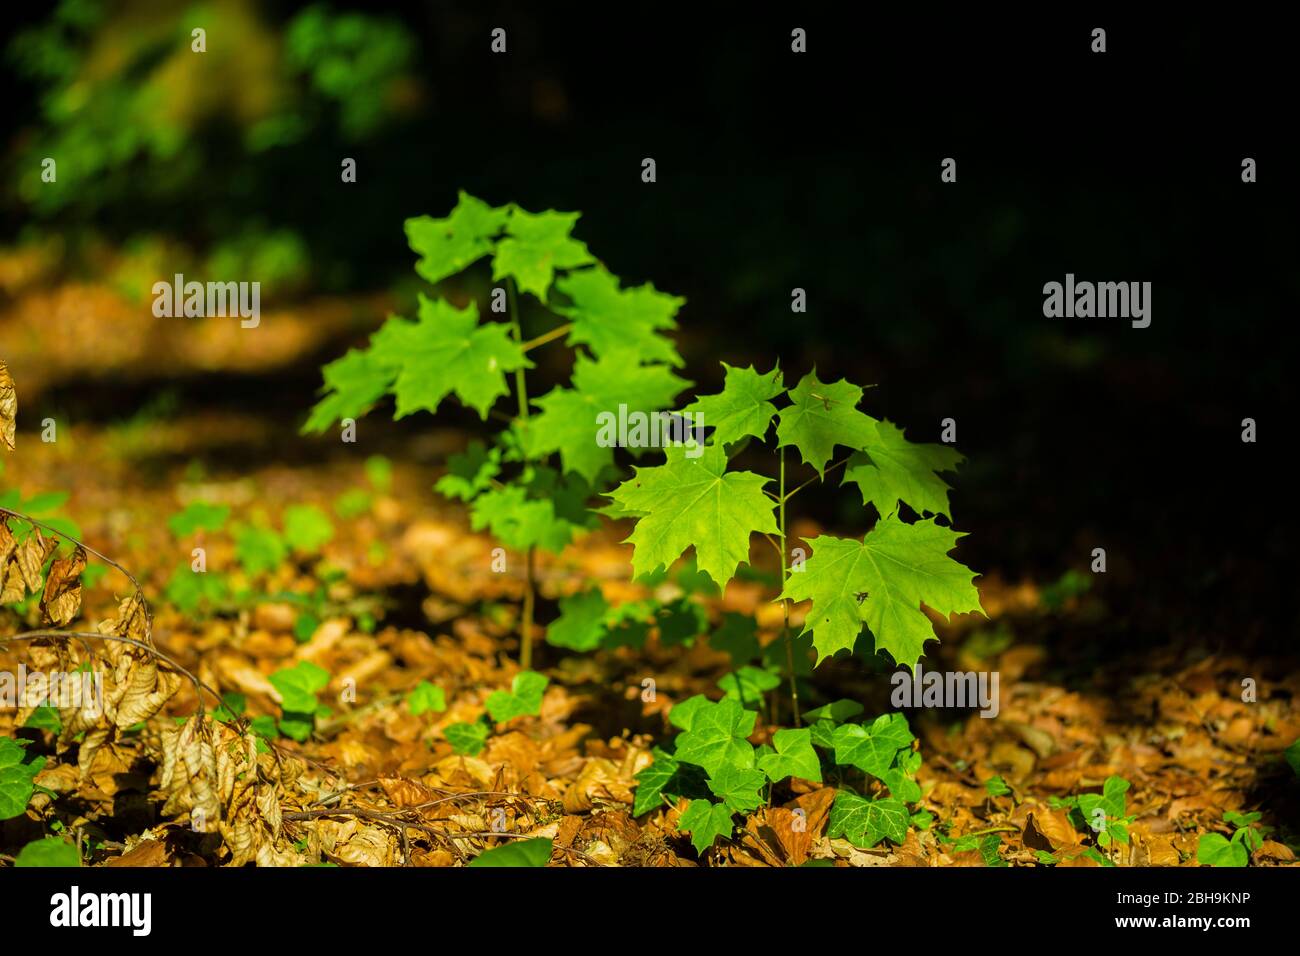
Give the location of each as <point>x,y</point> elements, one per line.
<point>8,408</point>
<point>61,601</point>
<point>20,572</point>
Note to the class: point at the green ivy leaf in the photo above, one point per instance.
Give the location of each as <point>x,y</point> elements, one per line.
<point>307,528</point>
<point>822,416</point>
<point>864,823</point>
<point>682,716</point>
<point>535,246</point>
<point>523,699</point>
<point>446,350</point>
<point>705,821</point>
<point>748,684</point>
<point>17,771</point>
<point>259,550</point>
<point>695,502</point>
<point>581,624</point>
<point>893,469</point>
<point>190,590</point>
<point>446,246</point>
<point>882,581</point>
<point>738,788</point>
<point>44,718</point>
<point>872,748</point>
<point>1214,849</point>
<point>837,711</point>
<point>198,516</point>
<point>570,419</point>
<point>743,407</point>
<point>996,787</point>
<point>534,852</point>
<point>48,851</point>
<point>665,781</point>
<point>426,697</point>
<point>609,319</point>
<point>794,757</point>
<point>717,737</point>
<point>298,686</point>
<point>466,738</point>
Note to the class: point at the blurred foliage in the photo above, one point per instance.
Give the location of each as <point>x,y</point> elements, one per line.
<point>139,123</point>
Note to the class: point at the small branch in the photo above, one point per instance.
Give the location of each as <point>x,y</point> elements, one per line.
<point>550,336</point>
<point>821,477</point>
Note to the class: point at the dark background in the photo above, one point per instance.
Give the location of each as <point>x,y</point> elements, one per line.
<point>821,171</point>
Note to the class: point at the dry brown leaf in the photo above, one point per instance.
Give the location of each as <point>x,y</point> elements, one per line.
<point>599,782</point>
<point>8,408</point>
<point>21,570</point>
<point>61,601</point>
<point>145,853</point>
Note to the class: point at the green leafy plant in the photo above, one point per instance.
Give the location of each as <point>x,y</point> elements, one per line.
<point>1214,849</point>
<point>533,852</point>
<point>17,775</point>
<point>298,686</point>
<point>457,351</point>
<point>715,768</point>
<point>48,851</point>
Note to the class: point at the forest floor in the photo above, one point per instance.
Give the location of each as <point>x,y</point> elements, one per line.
<point>1174,724</point>
<point>411,596</point>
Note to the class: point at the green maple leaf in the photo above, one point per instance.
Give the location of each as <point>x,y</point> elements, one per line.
<point>467,738</point>
<point>822,416</point>
<point>581,624</point>
<point>738,788</point>
<point>664,781</point>
<point>470,473</point>
<point>536,244</point>
<point>794,757</point>
<point>569,422</point>
<point>353,383</point>
<point>609,319</point>
<point>864,823</point>
<point>743,407</point>
<point>523,699</point>
<point>1214,849</point>
<point>705,821</point>
<point>882,581</point>
<point>717,737</point>
<point>695,502</point>
<point>520,522</point>
<point>17,773</point>
<point>872,748</point>
<point>893,469</point>
<point>446,350</point>
<point>446,246</point>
